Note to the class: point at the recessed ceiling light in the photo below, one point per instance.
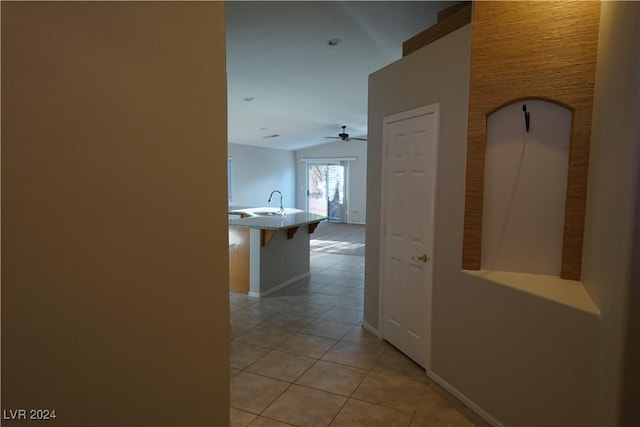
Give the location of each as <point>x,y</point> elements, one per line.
<point>248,99</point>
<point>334,42</point>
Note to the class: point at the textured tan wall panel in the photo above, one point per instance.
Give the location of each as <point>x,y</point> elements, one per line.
<point>524,50</point>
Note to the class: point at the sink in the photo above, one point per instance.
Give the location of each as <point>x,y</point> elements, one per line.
<point>266,211</point>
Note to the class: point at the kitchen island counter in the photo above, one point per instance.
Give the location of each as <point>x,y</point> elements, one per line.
<point>274,222</point>
<point>268,251</point>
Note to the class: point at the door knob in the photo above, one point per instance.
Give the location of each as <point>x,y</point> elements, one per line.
<point>423,258</point>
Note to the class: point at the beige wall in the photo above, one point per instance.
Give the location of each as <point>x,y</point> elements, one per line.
<point>613,189</point>
<point>630,410</point>
<point>414,81</point>
<point>114,235</point>
<point>522,359</point>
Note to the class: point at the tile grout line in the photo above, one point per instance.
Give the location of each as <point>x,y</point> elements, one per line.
<point>313,319</point>
<point>297,378</point>
<point>317,318</point>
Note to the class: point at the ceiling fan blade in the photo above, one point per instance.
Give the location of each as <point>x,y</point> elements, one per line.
<point>344,136</point>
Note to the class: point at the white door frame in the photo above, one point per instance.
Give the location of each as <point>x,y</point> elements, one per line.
<point>420,111</point>
<point>346,162</point>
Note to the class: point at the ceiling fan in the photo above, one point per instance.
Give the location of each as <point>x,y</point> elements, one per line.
<point>345,136</point>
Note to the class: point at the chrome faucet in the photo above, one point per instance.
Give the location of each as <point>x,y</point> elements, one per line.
<point>282,213</point>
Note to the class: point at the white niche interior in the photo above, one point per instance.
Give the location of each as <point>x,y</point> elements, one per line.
<point>525,185</point>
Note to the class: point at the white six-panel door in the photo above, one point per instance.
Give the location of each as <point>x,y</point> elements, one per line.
<point>410,143</point>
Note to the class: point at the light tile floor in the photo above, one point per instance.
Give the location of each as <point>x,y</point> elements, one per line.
<point>299,357</point>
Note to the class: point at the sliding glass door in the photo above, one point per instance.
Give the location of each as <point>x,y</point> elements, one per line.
<point>326,193</point>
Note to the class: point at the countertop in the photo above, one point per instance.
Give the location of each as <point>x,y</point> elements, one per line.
<point>293,218</point>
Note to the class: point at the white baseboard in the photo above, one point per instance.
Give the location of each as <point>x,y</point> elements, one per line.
<point>464,399</point>
<point>371,329</point>
<point>280,286</point>
<point>448,387</point>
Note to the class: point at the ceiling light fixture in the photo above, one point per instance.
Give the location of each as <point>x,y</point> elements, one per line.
<point>334,42</point>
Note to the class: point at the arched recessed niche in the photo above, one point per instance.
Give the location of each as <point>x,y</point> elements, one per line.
<point>576,178</point>
<point>525,186</point>
<point>558,64</point>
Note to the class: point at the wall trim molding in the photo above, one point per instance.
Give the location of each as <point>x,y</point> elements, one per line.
<point>328,159</point>
<point>449,20</point>
<point>371,329</point>
<point>280,286</point>
<point>465,400</point>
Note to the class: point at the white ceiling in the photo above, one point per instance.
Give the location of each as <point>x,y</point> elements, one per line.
<point>304,89</point>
